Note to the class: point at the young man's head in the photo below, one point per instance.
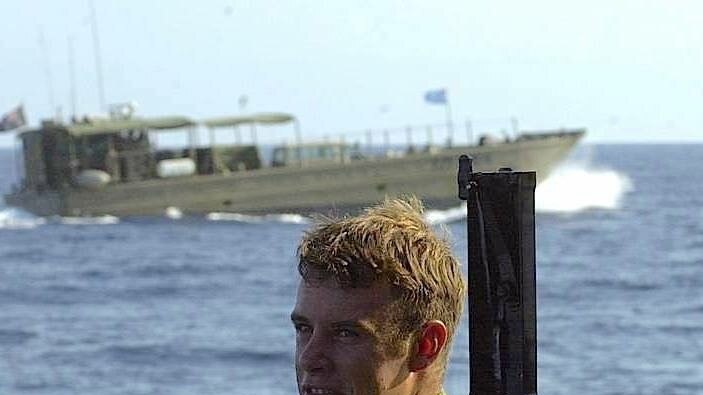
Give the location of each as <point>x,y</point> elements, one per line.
<point>378,304</point>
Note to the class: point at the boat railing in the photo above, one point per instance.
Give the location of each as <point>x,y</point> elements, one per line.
<point>420,138</point>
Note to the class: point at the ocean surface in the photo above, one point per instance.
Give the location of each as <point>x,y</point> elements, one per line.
<point>200,305</point>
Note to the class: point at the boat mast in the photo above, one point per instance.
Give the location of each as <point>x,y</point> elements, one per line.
<point>47,69</point>
<point>450,123</point>
<point>72,77</point>
<point>514,124</point>
<point>98,62</point>
<point>469,132</point>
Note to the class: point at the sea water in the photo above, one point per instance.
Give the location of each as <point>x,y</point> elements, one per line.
<point>200,305</point>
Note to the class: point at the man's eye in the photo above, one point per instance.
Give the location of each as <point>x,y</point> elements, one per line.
<point>346,333</point>
<point>302,328</point>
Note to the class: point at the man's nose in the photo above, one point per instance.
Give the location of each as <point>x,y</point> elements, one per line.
<point>314,355</point>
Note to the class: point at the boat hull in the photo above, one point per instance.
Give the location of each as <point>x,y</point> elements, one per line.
<point>327,189</point>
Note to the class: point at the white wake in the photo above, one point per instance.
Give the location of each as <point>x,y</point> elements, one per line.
<point>99,220</point>
<point>435,217</point>
<point>257,219</point>
<point>14,218</point>
<point>173,212</point>
<point>578,187</point>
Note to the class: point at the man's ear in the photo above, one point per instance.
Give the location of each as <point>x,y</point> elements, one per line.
<point>430,344</point>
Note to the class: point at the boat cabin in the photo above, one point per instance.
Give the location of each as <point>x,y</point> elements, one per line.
<point>56,154</point>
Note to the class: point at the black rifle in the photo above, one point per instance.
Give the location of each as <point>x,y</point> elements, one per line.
<point>502,289</point>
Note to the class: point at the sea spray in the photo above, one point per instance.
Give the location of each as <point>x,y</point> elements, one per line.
<point>99,220</point>
<point>255,219</point>
<point>173,212</point>
<point>576,187</point>
<point>436,217</point>
<point>14,218</point>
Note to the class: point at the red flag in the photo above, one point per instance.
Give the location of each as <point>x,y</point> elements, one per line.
<point>13,119</point>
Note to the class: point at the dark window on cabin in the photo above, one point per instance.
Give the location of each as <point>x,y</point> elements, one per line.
<point>279,157</point>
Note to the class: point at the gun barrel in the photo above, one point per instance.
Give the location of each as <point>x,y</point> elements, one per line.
<point>502,286</point>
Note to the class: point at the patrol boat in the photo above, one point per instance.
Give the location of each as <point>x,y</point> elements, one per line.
<point>114,166</point>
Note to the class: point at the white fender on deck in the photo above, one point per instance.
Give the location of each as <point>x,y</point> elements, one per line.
<point>175,167</point>
<point>92,179</point>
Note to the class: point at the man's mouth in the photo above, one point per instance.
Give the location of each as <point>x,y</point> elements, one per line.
<point>313,390</point>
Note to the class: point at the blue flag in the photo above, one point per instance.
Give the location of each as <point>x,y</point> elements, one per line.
<point>437,96</point>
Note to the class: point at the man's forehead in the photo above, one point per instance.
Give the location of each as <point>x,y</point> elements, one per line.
<point>327,300</point>
<point>377,289</point>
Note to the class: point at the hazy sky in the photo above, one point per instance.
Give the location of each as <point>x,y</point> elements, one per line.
<point>627,70</point>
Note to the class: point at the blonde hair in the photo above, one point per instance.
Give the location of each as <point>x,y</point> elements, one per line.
<point>392,243</point>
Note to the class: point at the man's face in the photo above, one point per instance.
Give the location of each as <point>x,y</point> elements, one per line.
<point>338,342</point>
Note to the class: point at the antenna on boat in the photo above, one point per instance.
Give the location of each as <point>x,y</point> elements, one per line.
<point>72,77</point>
<point>47,69</point>
<point>242,102</point>
<point>98,62</point>
<point>514,124</point>
<point>450,123</point>
<point>469,132</point>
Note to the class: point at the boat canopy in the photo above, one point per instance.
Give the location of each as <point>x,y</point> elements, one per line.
<point>109,126</point>
<point>268,118</point>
